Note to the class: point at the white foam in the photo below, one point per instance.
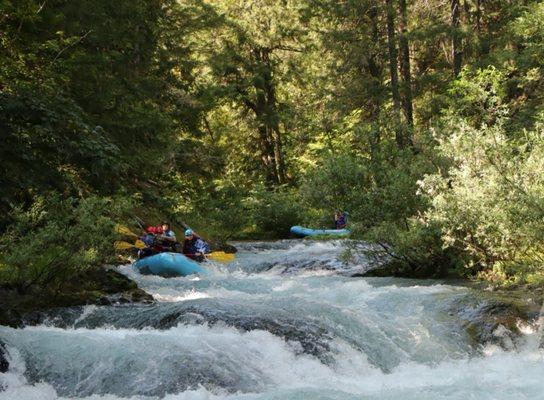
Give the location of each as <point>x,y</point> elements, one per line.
<point>189,295</point>
<point>364,322</point>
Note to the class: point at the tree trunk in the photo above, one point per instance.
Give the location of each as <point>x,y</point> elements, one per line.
<point>273,120</point>
<point>393,70</point>
<point>478,16</point>
<point>407,105</point>
<point>266,113</point>
<point>375,71</point>
<point>456,51</point>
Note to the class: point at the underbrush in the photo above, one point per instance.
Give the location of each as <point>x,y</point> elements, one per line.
<point>56,239</point>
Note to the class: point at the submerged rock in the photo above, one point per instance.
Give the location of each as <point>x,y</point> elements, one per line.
<point>311,337</point>
<point>495,317</point>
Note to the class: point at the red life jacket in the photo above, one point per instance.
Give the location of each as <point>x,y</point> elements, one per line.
<point>156,230</point>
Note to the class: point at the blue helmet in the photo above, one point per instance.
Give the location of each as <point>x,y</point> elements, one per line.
<point>188,232</point>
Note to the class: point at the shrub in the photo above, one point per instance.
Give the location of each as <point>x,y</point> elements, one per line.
<point>490,203</point>
<point>274,211</point>
<point>57,238</point>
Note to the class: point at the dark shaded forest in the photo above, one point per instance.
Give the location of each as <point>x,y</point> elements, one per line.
<point>423,119</point>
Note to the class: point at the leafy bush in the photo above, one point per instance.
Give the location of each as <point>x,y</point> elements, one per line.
<point>414,249</point>
<point>274,212</point>
<point>373,191</point>
<point>490,202</point>
<point>57,238</point>
<point>218,211</point>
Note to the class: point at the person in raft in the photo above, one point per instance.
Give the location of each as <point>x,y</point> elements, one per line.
<point>158,239</point>
<point>340,219</point>
<point>194,247</point>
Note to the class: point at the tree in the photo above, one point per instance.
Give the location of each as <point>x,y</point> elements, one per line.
<point>456,52</point>
<point>406,73</point>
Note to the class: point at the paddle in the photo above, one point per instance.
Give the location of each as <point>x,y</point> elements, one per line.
<point>123,230</point>
<point>120,245</point>
<point>219,256</point>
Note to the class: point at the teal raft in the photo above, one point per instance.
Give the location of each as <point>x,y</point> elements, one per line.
<point>169,264</point>
<point>301,231</point>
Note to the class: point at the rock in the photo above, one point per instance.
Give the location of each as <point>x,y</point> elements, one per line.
<point>4,364</point>
<point>221,245</point>
<point>496,317</point>
<point>399,269</point>
<point>98,286</point>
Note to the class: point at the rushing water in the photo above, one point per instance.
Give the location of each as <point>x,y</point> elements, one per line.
<point>284,322</point>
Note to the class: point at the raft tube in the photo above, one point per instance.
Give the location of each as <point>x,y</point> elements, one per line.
<point>301,231</point>
<point>169,264</point>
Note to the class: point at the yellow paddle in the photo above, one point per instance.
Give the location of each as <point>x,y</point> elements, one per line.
<point>120,245</point>
<point>221,256</point>
<point>123,230</point>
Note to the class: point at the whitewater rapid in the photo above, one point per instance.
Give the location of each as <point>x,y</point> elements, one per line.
<point>285,321</point>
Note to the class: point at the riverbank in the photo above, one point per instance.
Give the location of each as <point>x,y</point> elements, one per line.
<point>98,285</point>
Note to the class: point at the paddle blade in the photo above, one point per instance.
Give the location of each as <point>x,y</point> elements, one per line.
<point>119,245</point>
<point>140,245</point>
<point>221,256</point>
<point>123,230</point>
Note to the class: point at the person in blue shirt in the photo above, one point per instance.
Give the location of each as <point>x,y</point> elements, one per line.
<point>194,247</point>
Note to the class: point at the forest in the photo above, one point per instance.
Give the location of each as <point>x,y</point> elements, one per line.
<point>422,118</point>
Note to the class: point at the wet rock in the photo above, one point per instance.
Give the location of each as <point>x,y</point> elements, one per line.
<point>221,245</point>
<point>4,364</point>
<point>496,317</point>
<point>98,286</point>
<point>308,334</point>
<point>104,301</point>
<point>402,269</point>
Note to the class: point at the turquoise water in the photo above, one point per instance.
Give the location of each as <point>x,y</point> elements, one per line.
<point>286,321</point>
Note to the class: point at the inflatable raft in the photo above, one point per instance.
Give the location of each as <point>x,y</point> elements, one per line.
<point>169,264</point>
<point>301,231</point>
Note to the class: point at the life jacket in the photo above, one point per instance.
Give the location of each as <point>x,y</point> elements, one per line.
<point>196,245</point>
<point>156,230</point>
<point>148,239</point>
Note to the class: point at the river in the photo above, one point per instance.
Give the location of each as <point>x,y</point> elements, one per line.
<point>286,321</point>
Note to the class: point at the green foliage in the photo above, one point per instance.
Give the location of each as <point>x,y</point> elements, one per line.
<point>243,119</point>
<point>489,204</point>
<point>415,249</point>
<point>339,183</point>
<point>274,212</point>
<point>57,238</point>
<point>478,96</point>
<point>372,192</point>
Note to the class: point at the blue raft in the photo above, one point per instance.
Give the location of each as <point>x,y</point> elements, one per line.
<point>301,231</point>
<point>169,264</point>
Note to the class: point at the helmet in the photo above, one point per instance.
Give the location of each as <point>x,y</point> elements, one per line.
<point>188,232</point>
